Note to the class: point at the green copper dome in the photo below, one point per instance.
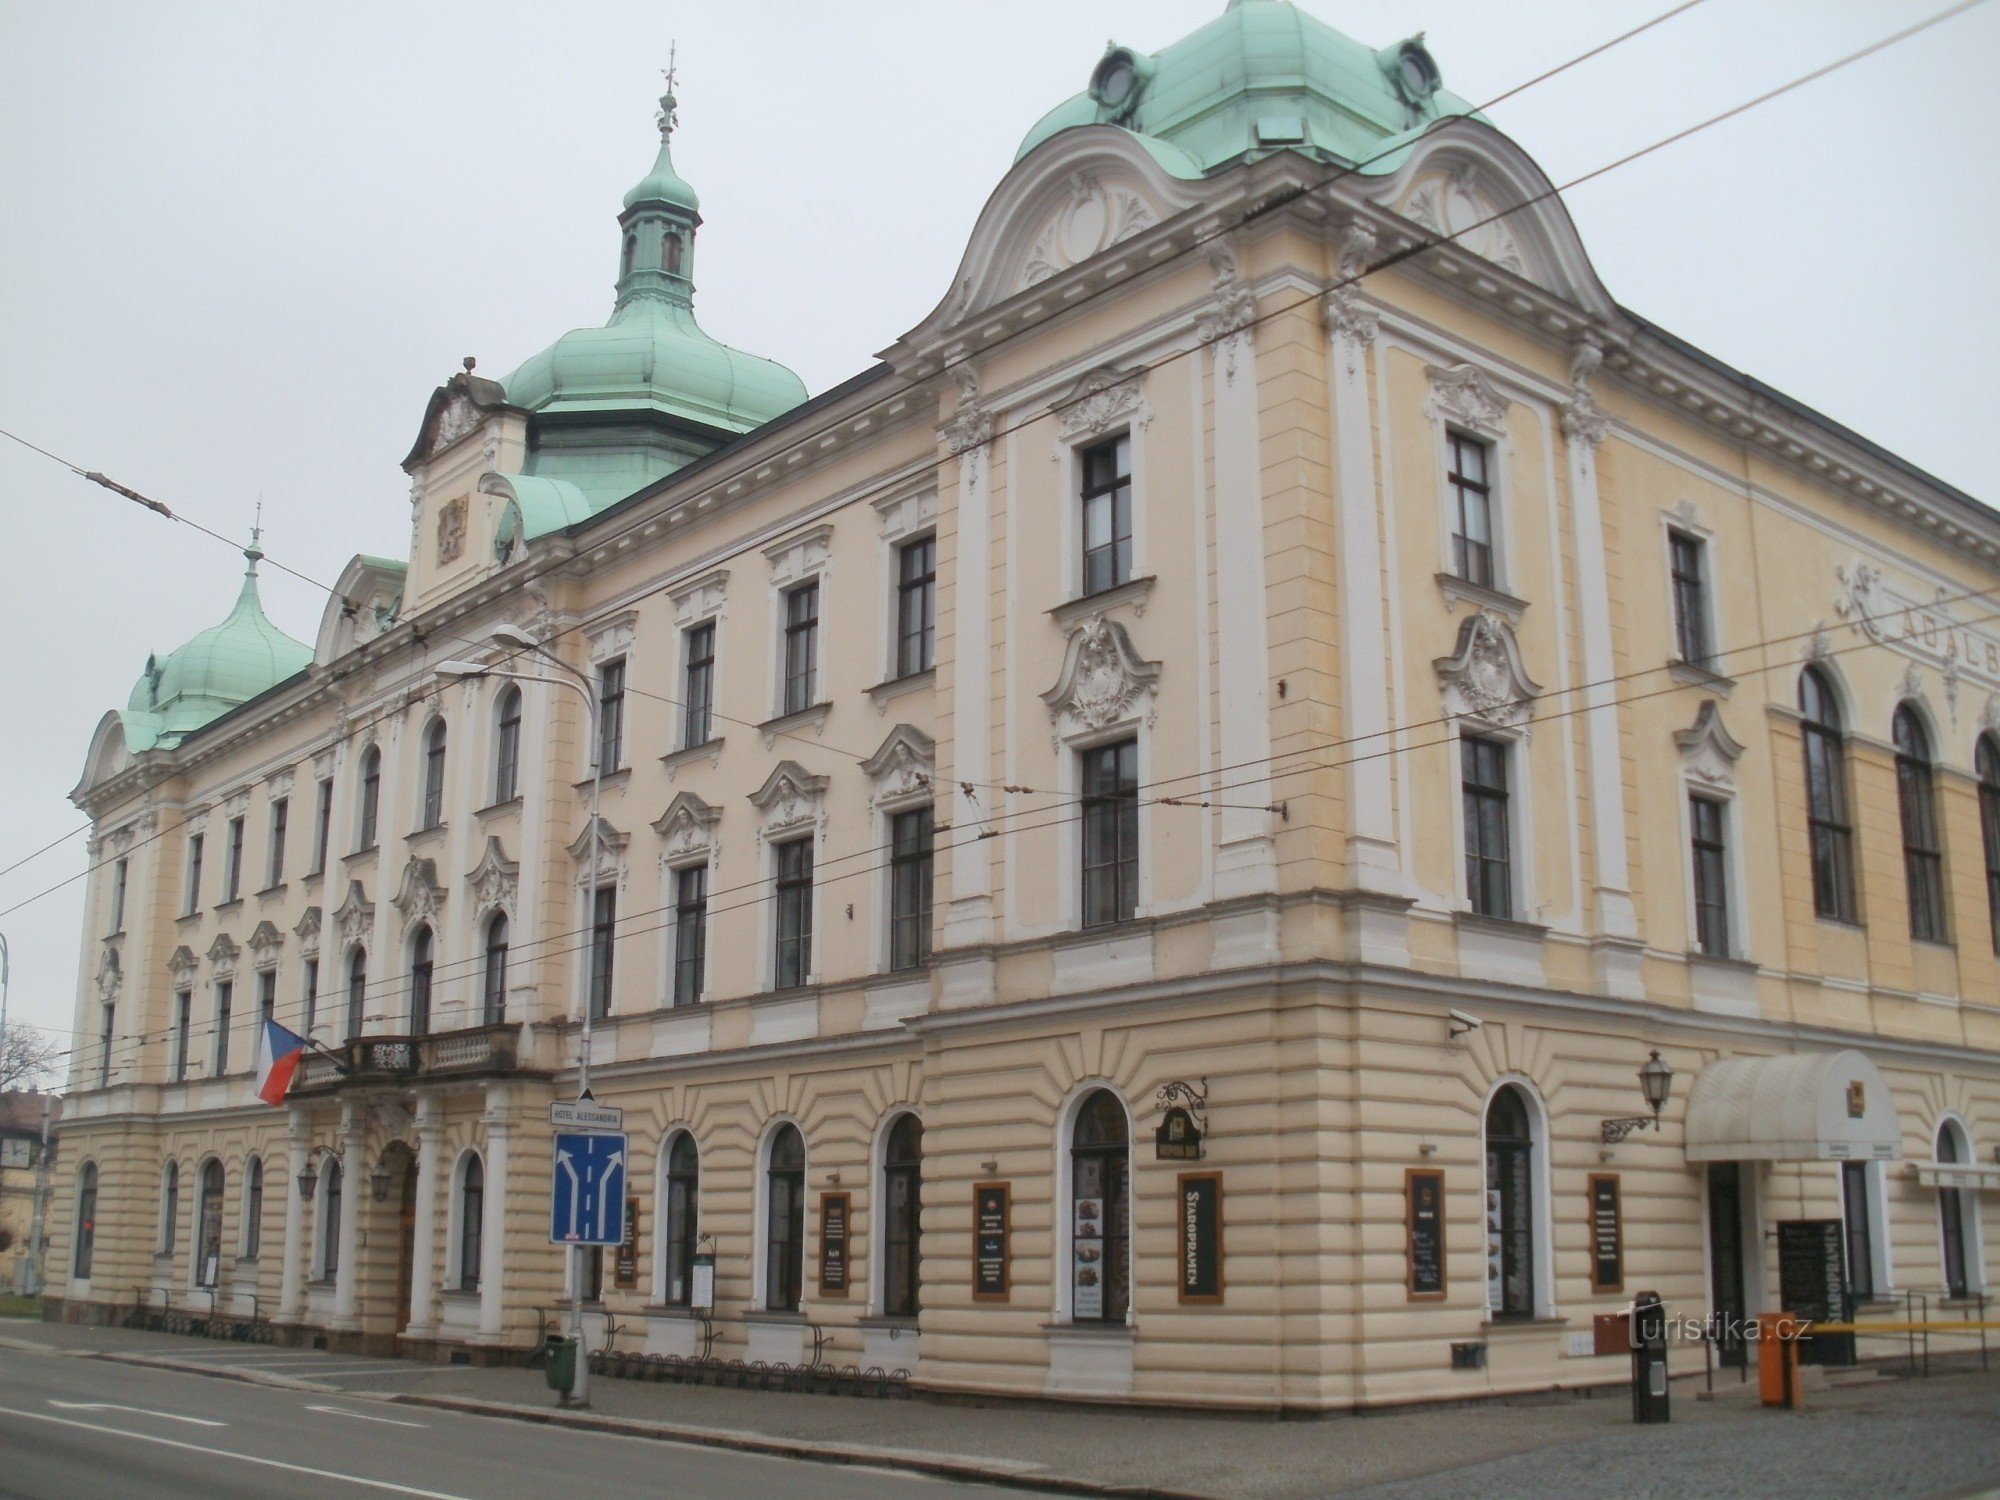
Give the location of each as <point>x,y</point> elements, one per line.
<point>1262,76</point>
<point>620,406</point>
<point>226,665</point>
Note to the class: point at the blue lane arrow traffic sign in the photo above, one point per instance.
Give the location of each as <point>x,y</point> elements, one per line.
<point>587,1204</point>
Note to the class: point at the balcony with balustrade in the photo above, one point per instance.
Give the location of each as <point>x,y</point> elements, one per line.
<point>401,1061</point>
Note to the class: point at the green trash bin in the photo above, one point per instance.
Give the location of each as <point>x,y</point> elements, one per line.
<point>560,1370</point>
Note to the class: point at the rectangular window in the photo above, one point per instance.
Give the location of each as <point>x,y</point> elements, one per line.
<point>1856,1211</point>
<point>611,715</point>
<point>802,648</point>
<point>910,889</point>
<point>104,1036</point>
<point>603,940</point>
<point>183,1015</point>
<point>1706,820</point>
<point>225,997</point>
<point>322,825</point>
<point>1471,510</point>
<point>232,885</point>
<point>1107,514</point>
<point>1489,878</point>
<point>916,606</point>
<point>1688,560</point>
<point>119,875</point>
<point>194,874</point>
<point>1110,833</point>
<point>794,924</point>
<point>267,995</point>
<point>690,933</point>
<point>309,1011</point>
<point>274,864</point>
<point>698,687</point>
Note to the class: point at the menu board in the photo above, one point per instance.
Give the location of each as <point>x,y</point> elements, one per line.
<point>1423,1210</point>
<point>834,1220</point>
<point>1812,1283</point>
<point>625,1265</point>
<point>991,1281</point>
<point>1087,1258</point>
<point>1201,1237</point>
<point>989,1242</point>
<point>1607,1235</point>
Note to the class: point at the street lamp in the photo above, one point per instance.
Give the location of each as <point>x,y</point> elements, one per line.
<point>517,640</point>
<point>378,1181</point>
<point>308,1180</point>
<point>1656,1082</point>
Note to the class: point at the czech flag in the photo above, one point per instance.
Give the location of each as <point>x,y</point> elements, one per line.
<point>278,1054</point>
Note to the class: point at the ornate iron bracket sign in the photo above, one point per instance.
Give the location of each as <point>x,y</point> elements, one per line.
<point>1611,1132</point>
<point>1185,1122</point>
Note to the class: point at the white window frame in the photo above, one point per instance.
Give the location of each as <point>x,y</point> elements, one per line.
<point>194,1283</point>
<point>907,516</point>
<point>1069,833</point>
<point>324,1234</point>
<point>1065,1181</point>
<point>1542,1178</point>
<point>670,871</point>
<point>878,1203</point>
<point>760,1193</point>
<point>668,1137</point>
<point>1707,770</point>
<point>769,962</point>
<point>1069,457</point>
<point>700,601</point>
<point>796,561</point>
<point>243,1208</point>
<point>454,1264</point>
<point>1970,1216</point>
<point>1881,1257</point>
<point>1684,519</point>
<point>1446,416</point>
<point>162,1220</point>
<point>1520,819</point>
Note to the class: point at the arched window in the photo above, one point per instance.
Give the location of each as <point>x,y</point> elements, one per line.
<point>1988,757</point>
<point>507,748</point>
<point>670,254</point>
<point>784,1219</point>
<point>329,1219</point>
<point>170,1208</point>
<point>208,1226</point>
<point>1510,1205</point>
<point>433,812</point>
<point>86,1221</point>
<point>680,1195</point>
<point>253,1206</point>
<point>493,976</point>
<point>1923,851</point>
<point>1832,836</point>
<point>902,1203</point>
<point>1100,1182</point>
<point>357,990</point>
<point>1958,1212</point>
<point>371,796</point>
<point>420,983</point>
<point>471,1220</point>
<point>631,252</point>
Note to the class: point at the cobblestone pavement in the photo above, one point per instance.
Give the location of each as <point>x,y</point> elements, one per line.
<point>1875,1438</point>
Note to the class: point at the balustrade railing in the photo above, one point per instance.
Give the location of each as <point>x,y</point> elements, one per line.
<point>401,1059</point>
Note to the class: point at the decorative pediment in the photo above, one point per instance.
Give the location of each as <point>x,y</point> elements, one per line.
<point>613,636</point>
<point>1708,750</point>
<point>265,943</point>
<point>902,769</point>
<point>907,512</point>
<point>1460,202</point>
<point>701,598</point>
<point>496,879</point>
<point>799,556</point>
<point>687,829</point>
<point>307,932</point>
<point>1102,400</point>
<point>222,955</point>
<point>354,918</point>
<point>456,408</point>
<point>182,965</point>
<point>609,861</point>
<point>1094,216</point>
<point>791,798</point>
<point>1484,679</point>
<point>1465,396</point>
<point>422,894</point>
<point>109,976</point>
<point>1104,681</point>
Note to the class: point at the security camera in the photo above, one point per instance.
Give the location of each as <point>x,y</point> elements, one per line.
<point>1461,1023</point>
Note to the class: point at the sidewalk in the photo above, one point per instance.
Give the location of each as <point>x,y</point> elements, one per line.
<point>1878,1437</point>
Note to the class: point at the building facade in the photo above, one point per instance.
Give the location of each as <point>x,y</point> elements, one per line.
<point>1140,840</point>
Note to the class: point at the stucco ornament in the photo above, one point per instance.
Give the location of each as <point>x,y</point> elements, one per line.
<point>1708,751</point>
<point>422,895</point>
<point>1100,401</point>
<point>451,531</point>
<point>1818,645</point>
<point>1231,312</point>
<point>182,966</point>
<point>1347,314</point>
<point>1989,718</point>
<point>307,932</point>
<point>791,798</point>
<point>1104,681</point>
<point>902,768</point>
<point>971,427</point>
<point>1582,421</point>
<point>1860,602</point>
<point>1459,204</point>
<point>354,919</point>
<point>222,955</point>
<point>609,863</point>
<point>1483,679</point>
<point>109,976</point>
<point>688,830</point>
<point>458,418</point>
<point>1090,221</point>
<point>1463,394</point>
<point>265,943</point>
<point>495,879</point>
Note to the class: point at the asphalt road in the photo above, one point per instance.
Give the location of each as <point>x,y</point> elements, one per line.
<point>79,1429</point>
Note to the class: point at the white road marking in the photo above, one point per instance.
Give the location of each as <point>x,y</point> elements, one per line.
<point>341,1411</point>
<point>141,1410</point>
<point>248,1458</point>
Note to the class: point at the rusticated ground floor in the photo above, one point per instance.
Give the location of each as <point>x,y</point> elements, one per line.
<point>1383,1206</point>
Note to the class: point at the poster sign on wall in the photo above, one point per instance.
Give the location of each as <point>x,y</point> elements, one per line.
<point>990,1281</point>
<point>1087,1251</point>
<point>1423,1210</point>
<point>1200,1240</point>
<point>625,1267</point>
<point>1607,1235</point>
<point>834,1219</point>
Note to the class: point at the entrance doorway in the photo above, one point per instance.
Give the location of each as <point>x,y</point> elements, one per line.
<point>406,1239</point>
<point>1726,1300</point>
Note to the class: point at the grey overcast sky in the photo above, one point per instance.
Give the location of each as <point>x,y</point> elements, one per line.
<point>241,243</point>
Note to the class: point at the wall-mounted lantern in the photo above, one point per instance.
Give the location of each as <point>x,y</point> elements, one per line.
<point>1656,1082</point>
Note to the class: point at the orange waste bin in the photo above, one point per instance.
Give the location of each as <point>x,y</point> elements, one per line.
<point>1778,1359</point>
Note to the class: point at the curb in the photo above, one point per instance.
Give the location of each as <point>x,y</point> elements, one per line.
<point>217,1372</point>
<point>748,1442</point>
